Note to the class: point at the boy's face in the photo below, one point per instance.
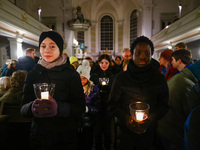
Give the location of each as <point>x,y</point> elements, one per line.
<point>175,63</point>
<point>142,54</point>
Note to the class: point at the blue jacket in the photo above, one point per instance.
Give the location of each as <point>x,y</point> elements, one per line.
<point>25,63</point>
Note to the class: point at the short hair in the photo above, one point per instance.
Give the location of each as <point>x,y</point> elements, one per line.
<point>118,57</point>
<point>142,39</point>
<point>104,56</point>
<point>182,54</point>
<point>181,45</point>
<point>17,79</point>
<point>29,50</point>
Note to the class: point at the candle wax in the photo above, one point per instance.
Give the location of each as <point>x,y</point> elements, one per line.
<point>45,95</point>
<point>104,83</point>
<point>139,116</point>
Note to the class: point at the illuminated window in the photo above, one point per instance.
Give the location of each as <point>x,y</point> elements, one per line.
<point>133,26</point>
<point>106,33</point>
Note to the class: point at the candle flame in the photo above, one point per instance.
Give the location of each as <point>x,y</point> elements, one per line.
<point>45,95</point>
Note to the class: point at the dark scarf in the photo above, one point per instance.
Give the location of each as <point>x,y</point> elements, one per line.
<point>142,74</point>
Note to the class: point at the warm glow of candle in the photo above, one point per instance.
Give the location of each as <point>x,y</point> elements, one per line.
<point>139,116</point>
<point>104,83</point>
<point>45,95</point>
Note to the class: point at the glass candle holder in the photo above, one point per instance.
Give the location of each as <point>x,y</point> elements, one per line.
<point>44,90</point>
<point>139,111</point>
<point>104,81</point>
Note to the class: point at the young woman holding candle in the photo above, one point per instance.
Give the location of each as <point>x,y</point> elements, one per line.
<point>87,121</point>
<point>103,78</point>
<point>141,82</point>
<point>54,124</point>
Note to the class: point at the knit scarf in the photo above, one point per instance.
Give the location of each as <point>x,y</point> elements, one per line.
<point>60,61</point>
<point>142,74</point>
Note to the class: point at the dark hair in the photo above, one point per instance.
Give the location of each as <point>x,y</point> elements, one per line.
<point>104,56</point>
<point>184,55</point>
<point>142,39</point>
<point>118,57</point>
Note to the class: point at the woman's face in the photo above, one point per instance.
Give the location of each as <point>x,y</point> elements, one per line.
<point>104,64</point>
<point>142,54</point>
<point>49,50</point>
<point>84,80</point>
<point>161,61</point>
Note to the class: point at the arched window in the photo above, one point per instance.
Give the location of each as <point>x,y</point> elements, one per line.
<point>106,33</point>
<point>133,26</point>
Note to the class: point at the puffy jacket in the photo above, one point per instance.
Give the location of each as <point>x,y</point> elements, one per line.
<point>139,84</point>
<point>53,132</point>
<point>93,104</point>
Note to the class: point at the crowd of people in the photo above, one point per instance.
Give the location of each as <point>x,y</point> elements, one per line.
<point>89,109</point>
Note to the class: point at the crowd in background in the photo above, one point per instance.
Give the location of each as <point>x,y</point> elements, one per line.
<point>90,107</point>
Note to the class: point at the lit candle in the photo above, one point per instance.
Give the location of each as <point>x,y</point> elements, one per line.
<point>103,82</point>
<point>139,116</point>
<point>45,95</point>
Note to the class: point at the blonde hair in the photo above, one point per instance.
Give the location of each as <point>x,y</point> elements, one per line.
<point>17,79</point>
<point>4,84</point>
<point>11,63</point>
<point>125,63</point>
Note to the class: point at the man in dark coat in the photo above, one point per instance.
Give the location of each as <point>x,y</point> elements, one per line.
<point>141,82</point>
<point>26,62</point>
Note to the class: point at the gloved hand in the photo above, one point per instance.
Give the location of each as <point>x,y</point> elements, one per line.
<point>136,127</point>
<point>37,108</point>
<point>44,108</point>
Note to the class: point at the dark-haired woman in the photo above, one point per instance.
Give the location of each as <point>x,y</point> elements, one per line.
<point>103,78</point>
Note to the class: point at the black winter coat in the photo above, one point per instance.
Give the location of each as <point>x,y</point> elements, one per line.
<point>139,84</point>
<point>57,132</point>
<point>104,90</point>
<point>25,63</point>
